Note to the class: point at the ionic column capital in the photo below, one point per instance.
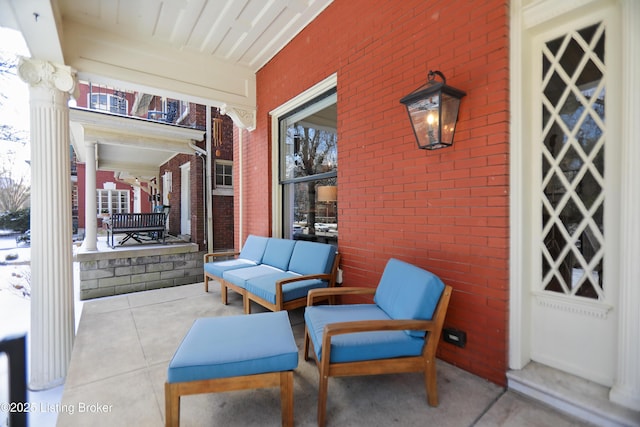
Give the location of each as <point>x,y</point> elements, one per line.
<point>45,74</point>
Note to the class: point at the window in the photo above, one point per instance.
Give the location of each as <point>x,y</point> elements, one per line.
<point>112,201</point>
<point>167,110</point>
<point>224,173</point>
<point>111,103</point>
<point>308,162</point>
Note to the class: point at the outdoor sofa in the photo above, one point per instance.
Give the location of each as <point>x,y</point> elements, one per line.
<point>275,273</point>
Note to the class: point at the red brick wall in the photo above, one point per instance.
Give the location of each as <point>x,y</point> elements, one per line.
<point>223,213</point>
<point>222,206</point>
<point>444,210</point>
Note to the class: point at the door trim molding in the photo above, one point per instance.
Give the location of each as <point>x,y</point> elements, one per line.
<point>626,388</point>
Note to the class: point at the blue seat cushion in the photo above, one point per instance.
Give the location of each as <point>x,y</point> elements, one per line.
<point>232,346</point>
<point>278,253</point>
<point>254,248</point>
<point>265,286</point>
<point>408,292</point>
<point>362,345</point>
<point>217,268</point>
<point>240,275</point>
<point>312,258</point>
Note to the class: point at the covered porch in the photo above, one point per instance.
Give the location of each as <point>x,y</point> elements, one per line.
<point>124,344</point>
<point>464,213</point>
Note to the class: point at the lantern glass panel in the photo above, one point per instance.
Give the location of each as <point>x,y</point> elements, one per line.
<point>450,106</point>
<point>424,115</point>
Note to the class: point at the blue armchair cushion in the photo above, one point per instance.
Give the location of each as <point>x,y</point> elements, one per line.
<point>362,345</point>
<point>265,286</point>
<point>254,248</point>
<point>278,252</point>
<point>408,292</point>
<point>240,276</point>
<point>231,346</point>
<point>312,258</point>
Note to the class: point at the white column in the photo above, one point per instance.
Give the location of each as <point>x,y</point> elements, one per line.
<point>90,204</point>
<point>626,390</point>
<point>52,315</point>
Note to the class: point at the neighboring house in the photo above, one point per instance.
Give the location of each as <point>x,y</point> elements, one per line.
<point>124,191</point>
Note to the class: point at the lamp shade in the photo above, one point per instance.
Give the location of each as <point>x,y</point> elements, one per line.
<point>327,193</point>
<point>433,111</point>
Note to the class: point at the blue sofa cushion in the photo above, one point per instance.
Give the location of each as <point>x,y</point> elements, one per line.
<point>254,248</point>
<point>408,292</point>
<point>362,345</point>
<point>217,268</point>
<point>312,258</point>
<point>231,346</point>
<point>278,252</point>
<point>265,286</point>
<point>239,276</point>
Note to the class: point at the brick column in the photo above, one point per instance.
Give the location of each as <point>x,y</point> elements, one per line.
<point>52,314</point>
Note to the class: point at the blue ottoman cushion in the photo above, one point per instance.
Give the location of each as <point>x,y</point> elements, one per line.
<point>232,346</point>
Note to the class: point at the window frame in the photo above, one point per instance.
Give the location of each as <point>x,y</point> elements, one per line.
<point>109,103</point>
<point>326,85</point>
<point>122,205</point>
<point>223,190</point>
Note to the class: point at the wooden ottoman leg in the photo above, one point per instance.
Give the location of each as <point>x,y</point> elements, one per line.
<point>172,405</point>
<point>286,398</point>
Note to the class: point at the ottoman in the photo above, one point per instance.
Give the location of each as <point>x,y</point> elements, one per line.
<point>233,353</point>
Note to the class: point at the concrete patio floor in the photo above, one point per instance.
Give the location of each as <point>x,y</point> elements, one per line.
<point>124,344</point>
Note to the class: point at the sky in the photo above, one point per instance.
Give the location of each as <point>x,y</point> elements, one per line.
<point>14,110</point>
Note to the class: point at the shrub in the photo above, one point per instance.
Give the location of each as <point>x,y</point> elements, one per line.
<point>19,220</point>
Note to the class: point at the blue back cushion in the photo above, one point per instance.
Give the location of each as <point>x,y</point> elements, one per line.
<point>253,248</point>
<point>278,253</point>
<point>408,292</point>
<point>312,258</point>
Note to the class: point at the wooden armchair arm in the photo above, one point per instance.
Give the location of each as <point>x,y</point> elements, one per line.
<point>339,328</point>
<point>377,325</point>
<point>316,294</point>
<point>280,283</point>
<point>214,255</point>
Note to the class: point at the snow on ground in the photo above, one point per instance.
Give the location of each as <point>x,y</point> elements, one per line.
<point>15,306</point>
<point>14,287</point>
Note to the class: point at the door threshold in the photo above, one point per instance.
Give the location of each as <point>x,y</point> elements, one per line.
<point>570,394</point>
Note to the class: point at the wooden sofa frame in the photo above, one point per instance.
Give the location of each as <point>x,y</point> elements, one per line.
<point>425,363</point>
<point>247,297</point>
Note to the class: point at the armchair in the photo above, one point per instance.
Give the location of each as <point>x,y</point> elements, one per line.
<point>398,333</point>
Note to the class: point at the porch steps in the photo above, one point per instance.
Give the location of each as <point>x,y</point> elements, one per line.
<point>570,394</point>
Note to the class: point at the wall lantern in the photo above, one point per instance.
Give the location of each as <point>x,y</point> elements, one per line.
<point>433,111</point>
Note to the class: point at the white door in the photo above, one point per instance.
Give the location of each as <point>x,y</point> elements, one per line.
<point>185,199</point>
<point>574,146</point>
<point>136,199</point>
<point>167,187</point>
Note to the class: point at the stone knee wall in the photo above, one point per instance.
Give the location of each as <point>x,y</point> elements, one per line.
<point>119,272</point>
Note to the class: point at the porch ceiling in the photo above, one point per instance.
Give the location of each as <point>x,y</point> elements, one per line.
<point>204,51</point>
